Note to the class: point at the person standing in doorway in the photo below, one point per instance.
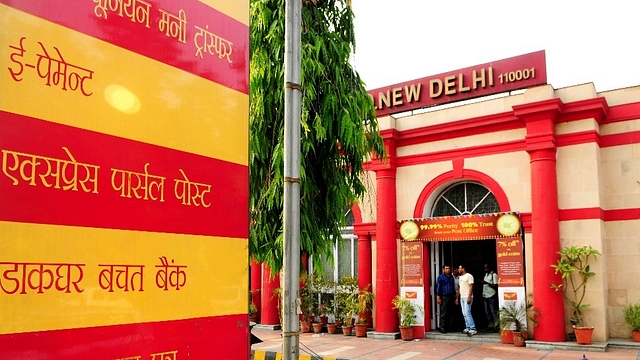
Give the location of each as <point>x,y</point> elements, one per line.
<point>490,297</point>
<point>465,297</point>
<point>458,319</point>
<point>446,295</point>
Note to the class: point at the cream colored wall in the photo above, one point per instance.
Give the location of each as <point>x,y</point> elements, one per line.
<point>512,171</point>
<point>367,203</point>
<point>621,166</point>
<point>590,233</point>
<point>411,181</point>
<point>621,96</point>
<point>622,250</point>
<point>463,142</point>
<point>579,179</point>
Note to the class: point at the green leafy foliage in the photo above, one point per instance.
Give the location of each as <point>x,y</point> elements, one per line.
<point>338,128</point>
<point>573,265</point>
<point>407,310</point>
<point>515,315</point>
<point>632,316</point>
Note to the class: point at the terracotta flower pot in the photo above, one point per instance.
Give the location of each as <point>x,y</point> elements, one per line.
<point>346,329</point>
<point>361,330</point>
<point>506,337</point>
<point>305,326</point>
<point>583,335</point>
<point>518,338</point>
<point>406,333</point>
<point>317,328</point>
<point>332,328</point>
<point>636,335</point>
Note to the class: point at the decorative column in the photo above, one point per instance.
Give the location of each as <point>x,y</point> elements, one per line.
<point>270,282</point>
<point>256,284</point>
<point>365,278</point>
<point>539,118</point>
<point>386,244</point>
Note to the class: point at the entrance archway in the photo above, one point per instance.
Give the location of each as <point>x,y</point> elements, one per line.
<point>463,198</point>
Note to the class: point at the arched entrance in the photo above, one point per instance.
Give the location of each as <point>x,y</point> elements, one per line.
<point>462,198</point>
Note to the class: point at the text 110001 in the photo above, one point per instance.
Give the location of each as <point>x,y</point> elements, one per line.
<point>513,76</point>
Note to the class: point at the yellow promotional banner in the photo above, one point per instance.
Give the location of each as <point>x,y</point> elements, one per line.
<point>111,277</point>
<point>116,92</point>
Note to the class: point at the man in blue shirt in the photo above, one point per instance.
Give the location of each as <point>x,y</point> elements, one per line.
<point>446,293</point>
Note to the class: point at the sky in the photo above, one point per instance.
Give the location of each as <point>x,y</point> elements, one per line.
<point>585,41</point>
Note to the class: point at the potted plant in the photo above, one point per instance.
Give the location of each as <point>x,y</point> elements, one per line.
<point>632,318</point>
<point>345,305</point>
<point>573,265</point>
<point>363,303</point>
<point>514,317</point>
<point>407,315</point>
<point>253,311</point>
<point>307,303</point>
<point>350,308</point>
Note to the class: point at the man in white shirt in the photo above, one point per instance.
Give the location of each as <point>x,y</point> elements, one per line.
<point>465,294</point>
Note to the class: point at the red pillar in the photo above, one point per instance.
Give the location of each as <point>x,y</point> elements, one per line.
<point>256,284</point>
<point>386,251</point>
<point>386,245</point>
<point>364,264</point>
<point>270,282</point>
<point>540,118</point>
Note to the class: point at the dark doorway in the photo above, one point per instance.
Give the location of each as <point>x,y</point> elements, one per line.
<point>473,254</point>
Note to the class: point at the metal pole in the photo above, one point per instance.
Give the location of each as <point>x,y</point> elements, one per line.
<point>291,255</point>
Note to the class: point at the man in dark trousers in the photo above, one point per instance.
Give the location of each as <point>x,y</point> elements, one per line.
<point>446,293</point>
<point>490,297</point>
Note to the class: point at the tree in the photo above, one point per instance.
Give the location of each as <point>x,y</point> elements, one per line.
<point>339,129</point>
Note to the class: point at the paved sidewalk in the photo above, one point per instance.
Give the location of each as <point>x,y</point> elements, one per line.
<point>448,346</point>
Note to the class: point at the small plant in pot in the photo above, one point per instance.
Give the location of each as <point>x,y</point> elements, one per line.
<point>345,303</point>
<point>407,312</point>
<point>307,303</point>
<point>574,268</point>
<point>514,317</point>
<point>363,303</point>
<point>632,318</point>
<point>350,309</point>
<point>253,311</point>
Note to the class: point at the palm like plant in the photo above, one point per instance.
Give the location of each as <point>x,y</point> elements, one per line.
<point>515,315</point>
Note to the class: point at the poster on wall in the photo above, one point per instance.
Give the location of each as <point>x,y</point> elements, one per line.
<point>511,277</point>
<point>415,294</point>
<point>412,272</point>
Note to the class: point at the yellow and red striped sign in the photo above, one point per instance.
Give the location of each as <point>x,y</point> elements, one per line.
<point>124,207</point>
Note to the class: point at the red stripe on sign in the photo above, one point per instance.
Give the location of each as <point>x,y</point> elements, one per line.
<point>57,174</point>
<point>186,34</point>
<point>224,337</point>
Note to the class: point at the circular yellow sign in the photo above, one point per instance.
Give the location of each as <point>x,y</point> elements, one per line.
<point>508,225</point>
<point>409,230</point>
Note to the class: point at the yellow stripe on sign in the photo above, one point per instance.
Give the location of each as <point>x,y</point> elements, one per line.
<point>237,9</point>
<point>60,277</point>
<point>132,96</point>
